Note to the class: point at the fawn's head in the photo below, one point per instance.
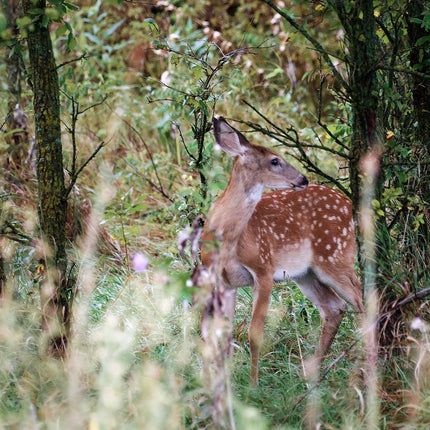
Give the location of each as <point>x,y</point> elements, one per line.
<point>255,166</point>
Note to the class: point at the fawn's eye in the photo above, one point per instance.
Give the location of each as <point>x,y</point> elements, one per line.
<point>275,162</point>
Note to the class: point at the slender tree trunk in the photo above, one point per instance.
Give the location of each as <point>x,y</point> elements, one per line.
<point>420,60</point>
<point>16,119</point>
<point>2,278</point>
<point>50,177</point>
<point>358,20</point>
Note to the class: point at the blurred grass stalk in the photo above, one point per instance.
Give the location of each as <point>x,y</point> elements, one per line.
<point>370,164</point>
<point>217,336</point>
<point>78,364</point>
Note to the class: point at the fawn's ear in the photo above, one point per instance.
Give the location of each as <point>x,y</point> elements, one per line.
<point>231,141</point>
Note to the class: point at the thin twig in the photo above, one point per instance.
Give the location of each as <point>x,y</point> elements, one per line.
<point>75,176</point>
<point>72,131</point>
<point>22,238</point>
<point>160,188</point>
<point>94,105</point>
<point>81,57</point>
<point>183,141</point>
<point>153,185</point>
<point>320,380</point>
<point>400,69</point>
<point>300,146</point>
<point>323,126</point>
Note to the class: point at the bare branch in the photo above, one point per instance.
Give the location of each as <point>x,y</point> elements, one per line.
<point>93,105</point>
<point>417,295</point>
<point>74,60</point>
<point>75,176</point>
<point>283,136</point>
<point>153,185</point>
<point>11,232</point>
<point>160,184</point>
<point>72,131</point>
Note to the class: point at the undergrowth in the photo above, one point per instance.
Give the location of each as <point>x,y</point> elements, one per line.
<point>135,362</point>
<point>135,358</point>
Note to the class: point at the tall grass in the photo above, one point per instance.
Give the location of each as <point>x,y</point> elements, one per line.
<point>135,360</point>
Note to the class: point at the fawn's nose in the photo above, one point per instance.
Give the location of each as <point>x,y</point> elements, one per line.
<point>301,182</point>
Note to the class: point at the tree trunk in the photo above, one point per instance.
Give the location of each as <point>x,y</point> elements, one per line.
<point>419,58</point>
<point>2,278</point>
<point>55,295</point>
<point>358,21</point>
<point>15,119</point>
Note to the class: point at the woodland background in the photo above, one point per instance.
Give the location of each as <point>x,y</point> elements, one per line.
<point>107,154</point>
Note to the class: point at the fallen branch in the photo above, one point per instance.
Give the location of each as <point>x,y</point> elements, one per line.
<point>417,295</point>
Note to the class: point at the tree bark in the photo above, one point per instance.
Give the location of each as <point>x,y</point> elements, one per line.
<point>55,294</point>
<point>419,58</point>
<point>2,278</point>
<point>358,21</point>
<point>15,119</point>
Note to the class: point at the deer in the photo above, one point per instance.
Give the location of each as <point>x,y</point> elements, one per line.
<point>299,231</point>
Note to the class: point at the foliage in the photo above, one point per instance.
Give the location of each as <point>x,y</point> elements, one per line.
<point>153,84</point>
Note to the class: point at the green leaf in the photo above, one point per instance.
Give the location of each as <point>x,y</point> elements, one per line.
<point>53,14</point>
<point>422,40</point>
<point>112,29</point>
<point>71,42</point>
<point>101,133</point>
<point>152,23</point>
<point>3,22</point>
<point>61,9</point>
<point>23,22</point>
<point>92,38</point>
<point>71,6</point>
<point>36,11</point>
<point>416,20</point>
<point>376,205</point>
<point>45,21</point>
<point>61,30</point>
<point>138,208</point>
<point>197,73</point>
<point>276,72</point>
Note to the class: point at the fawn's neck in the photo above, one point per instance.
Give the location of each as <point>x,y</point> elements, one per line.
<point>229,216</point>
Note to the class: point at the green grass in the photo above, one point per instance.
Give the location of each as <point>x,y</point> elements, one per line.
<point>135,362</point>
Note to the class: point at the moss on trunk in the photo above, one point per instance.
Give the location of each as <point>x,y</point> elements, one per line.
<point>50,175</point>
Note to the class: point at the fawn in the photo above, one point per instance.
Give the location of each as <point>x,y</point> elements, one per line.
<point>300,232</point>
